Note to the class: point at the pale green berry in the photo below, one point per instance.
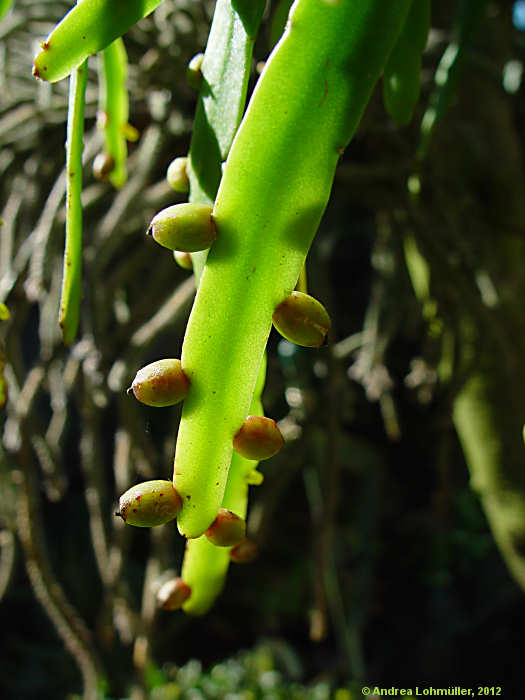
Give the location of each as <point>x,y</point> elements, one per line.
<point>302,320</point>
<point>176,175</point>
<point>150,503</point>
<point>161,383</point>
<point>183,260</point>
<point>186,227</point>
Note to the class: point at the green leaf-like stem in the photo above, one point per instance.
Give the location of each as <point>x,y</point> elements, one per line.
<point>274,190</point>
<point>87,28</point>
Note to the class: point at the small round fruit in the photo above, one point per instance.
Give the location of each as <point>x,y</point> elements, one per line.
<point>183,260</point>
<point>161,383</point>
<point>102,166</point>
<point>244,552</point>
<point>176,175</point>
<point>302,320</point>
<point>194,72</point>
<point>227,529</point>
<point>173,594</point>
<point>259,438</point>
<point>187,227</point>
<point>149,504</point>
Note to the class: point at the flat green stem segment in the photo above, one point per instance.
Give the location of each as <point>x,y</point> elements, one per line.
<point>205,566</point>
<point>115,106</point>
<point>225,70</point>
<point>402,78</point>
<point>72,275</point>
<point>274,190</point>
<point>87,28</point>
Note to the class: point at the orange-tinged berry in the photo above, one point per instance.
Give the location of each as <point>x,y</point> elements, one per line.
<point>173,594</point>
<point>302,320</point>
<point>161,383</point>
<point>244,552</point>
<point>227,529</point>
<point>150,503</point>
<point>187,227</point>
<point>259,438</point>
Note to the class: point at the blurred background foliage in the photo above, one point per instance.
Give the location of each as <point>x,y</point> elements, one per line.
<point>392,526</point>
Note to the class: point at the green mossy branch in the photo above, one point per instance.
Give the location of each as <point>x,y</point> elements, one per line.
<point>275,187</point>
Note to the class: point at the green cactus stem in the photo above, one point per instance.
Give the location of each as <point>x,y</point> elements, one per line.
<point>184,227</point>
<point>149,504</point>
<point>71,294</point>
<point>173,594</point>
<point>259,438</point>
<point>227,529</point>
<point>161,383</point>
<point>205,566</point>
<point>402,77</point>
<point>114,105</point>
<point>275,187</point>
<point>302,320</point>
<point>87,28</point>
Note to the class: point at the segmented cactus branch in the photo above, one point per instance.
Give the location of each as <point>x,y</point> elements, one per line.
<point>273,192</point>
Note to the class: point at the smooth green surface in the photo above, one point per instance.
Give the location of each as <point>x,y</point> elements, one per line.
<point>72,274</point>
<point>87,28</point>
<point>114,103</point>
<point>402,78</point>
<point>205,565</point>
<point>275,187</point>
<point>226,69</point>
<point>4,7</point>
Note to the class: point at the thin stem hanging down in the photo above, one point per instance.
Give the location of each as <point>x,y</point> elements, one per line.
<point>72,276</point>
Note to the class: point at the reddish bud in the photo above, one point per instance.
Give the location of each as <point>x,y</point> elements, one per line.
<point>173,594</point>
<point>259,438</point>
<point>302,320</point>
<point>102,166</point>
<point>244,552</point>
<point>150,503</point>
<point>161,383</point>
<point>227,529</point>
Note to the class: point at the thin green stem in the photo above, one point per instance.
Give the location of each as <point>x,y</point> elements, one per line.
<point>72,275</point>
<point>115,108</point>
